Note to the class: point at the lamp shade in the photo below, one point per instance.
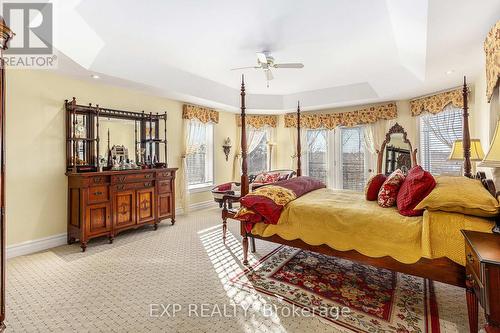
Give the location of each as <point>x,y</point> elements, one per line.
<point>492,158</point>
<point>457,151</point>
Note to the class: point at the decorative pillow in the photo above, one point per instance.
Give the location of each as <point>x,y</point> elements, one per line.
<point>373,186</point>
<point>417,185</point>
<point>269,178</point>
<point>224,187</point>
<point>389,191</point>
<point>460,195</point>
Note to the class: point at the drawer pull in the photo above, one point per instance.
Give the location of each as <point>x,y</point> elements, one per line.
<point>120,187</point>
<point>98,193</point>
<point>470,282</point>
<point>121,178</point>
<point>470,258</point>
<point>97,179</point>
<point>147,184</point>
<point>148,175</point>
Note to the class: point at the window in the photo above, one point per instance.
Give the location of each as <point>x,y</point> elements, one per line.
<point>199,157</point>
<point>343,150</point>
<point>437,134</point>
<point>353,158</point>
<point>257,150</point>
<point>317,154</point>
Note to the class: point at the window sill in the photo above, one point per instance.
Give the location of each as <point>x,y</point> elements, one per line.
<point>205,187</point>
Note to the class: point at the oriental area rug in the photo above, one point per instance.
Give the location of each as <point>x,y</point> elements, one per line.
<point>358,297</point>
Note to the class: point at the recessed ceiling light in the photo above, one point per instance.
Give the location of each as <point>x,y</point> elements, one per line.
<point>95,76</point>
<point>451,71</point>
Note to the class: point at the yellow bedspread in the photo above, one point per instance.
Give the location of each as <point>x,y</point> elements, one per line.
<point>344,220</point>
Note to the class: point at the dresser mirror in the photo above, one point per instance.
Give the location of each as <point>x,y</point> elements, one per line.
<point>99,139</point>
<point>396,152</point>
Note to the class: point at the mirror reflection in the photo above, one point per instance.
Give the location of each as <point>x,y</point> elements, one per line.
<point>397,154</point>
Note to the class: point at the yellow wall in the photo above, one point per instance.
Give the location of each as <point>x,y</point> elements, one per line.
<point>36,185</point>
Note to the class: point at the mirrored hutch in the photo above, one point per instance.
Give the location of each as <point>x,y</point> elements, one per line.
<point>119,182</point>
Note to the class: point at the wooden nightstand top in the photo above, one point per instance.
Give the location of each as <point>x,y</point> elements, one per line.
<point>486,245</point>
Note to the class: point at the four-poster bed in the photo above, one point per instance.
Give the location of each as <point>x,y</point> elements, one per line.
<point>440,269</point>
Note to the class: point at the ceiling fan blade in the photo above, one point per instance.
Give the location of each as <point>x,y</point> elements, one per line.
<point>269,75</point>
<point>291,65</point>
<point>238,68</point>
<point>261,57</point>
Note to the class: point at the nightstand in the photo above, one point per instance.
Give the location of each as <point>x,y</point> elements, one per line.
<point>482,267</point>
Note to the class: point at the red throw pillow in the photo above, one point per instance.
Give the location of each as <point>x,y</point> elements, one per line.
<point>389,191</point>
<point>270,178</point>
<point>417,185</point>
<point>373,186</point>
<point>224,187</point>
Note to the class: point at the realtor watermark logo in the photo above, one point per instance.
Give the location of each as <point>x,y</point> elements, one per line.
<point>32,47</point>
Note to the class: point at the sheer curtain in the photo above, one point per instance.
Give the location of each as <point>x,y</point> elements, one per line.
<point>254,137</point>
<point>443,129</point>
<point>237,157</point>
<point>373,137</point>
<point>191,139</point>
<point>303,144</point>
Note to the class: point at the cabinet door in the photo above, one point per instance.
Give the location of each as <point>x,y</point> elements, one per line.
<point>164,205</point>
<point>145,205</point>
<point>124,208</point>
<point>98,219</point>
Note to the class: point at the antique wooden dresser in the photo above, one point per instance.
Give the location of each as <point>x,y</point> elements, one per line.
<point>106,203</point>
<point>110,190</point>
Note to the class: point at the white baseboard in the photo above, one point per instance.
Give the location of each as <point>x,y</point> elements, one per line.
<point>45,243</point>
<point>35,245</point>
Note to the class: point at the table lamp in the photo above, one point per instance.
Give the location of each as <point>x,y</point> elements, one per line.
<point>492,160</point>
<point>476,152</point>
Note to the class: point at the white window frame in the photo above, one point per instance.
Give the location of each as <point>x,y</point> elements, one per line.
<point>334,158</point>
<point>209,163</point>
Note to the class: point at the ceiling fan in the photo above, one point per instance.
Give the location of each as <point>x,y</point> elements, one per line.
<point>266,62</point>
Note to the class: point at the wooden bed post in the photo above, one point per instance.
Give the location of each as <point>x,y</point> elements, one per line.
<point>466,133</point>
<point>299,146</point>
<point>244,167</point>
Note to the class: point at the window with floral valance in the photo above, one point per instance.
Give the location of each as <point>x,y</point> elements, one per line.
<point>347,119</point>
<point>258,121</point>
<point>436,103</point>
<point>205,115</point>
<point>492,50</point>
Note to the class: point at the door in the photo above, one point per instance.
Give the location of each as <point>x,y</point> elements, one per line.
<point>124,209</point>
<point>145,205</point>
<point>164,206</point>
<point>98,219</point>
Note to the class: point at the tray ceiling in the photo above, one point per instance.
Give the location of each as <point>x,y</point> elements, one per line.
<point>354,52</point>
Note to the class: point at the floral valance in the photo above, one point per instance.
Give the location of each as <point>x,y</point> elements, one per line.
<point>492,50</point>
<point>258,121</point>
<point>436,103</point>
<point>205,115</point>
<point>352,118</point>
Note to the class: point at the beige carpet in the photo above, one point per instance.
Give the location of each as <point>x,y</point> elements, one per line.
<point>116,288</point>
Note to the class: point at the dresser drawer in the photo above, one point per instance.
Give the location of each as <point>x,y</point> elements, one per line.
<point>164,186</point>
<point>165,174</point>
<point>132,177</point>
<point>98,180</point>
<point>133,186</point>
<point>98,194</point>
<point>471,260</point>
